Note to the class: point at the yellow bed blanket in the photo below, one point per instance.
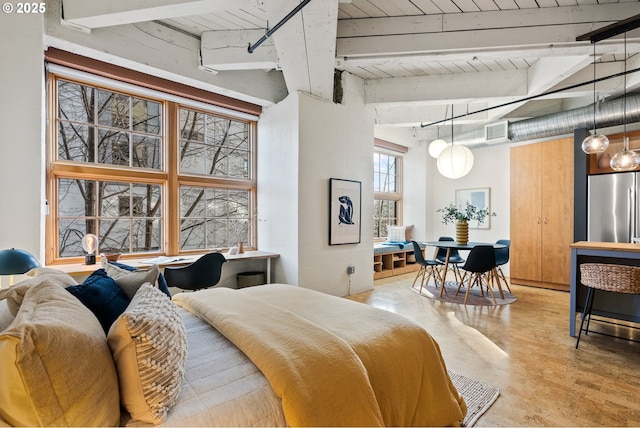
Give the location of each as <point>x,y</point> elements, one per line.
<point>332,361</point>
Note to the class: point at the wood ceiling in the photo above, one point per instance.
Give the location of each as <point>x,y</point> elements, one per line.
<point>418,58</point>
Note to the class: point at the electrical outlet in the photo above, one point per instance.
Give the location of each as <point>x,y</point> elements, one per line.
<point>351,270</point>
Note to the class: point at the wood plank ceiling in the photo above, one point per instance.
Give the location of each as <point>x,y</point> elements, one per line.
<point>418,58</point>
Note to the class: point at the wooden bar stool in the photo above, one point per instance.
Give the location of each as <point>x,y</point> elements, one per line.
<point>607,277</point>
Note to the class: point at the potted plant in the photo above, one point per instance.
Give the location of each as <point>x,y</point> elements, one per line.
<point>462,217</point>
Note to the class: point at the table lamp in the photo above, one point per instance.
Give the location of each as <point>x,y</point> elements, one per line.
<point>90,245</point>
<point>15,262</point>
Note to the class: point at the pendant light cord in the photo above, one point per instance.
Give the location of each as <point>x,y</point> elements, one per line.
<point>595,131</point>
<point>452,125</point>
<point>624,103</point>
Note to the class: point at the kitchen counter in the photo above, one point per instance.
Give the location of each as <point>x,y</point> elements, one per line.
<point>607,304</point>
<point>606,246</point>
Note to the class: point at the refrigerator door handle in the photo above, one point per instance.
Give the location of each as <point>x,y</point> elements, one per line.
<point>632,214</point>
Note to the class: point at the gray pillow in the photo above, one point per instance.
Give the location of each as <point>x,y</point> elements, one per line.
<point>131,281</point>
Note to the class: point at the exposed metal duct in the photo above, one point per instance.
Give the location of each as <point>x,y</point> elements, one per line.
<point>608,113</point>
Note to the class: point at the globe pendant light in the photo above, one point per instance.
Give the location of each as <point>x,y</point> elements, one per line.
<point>436,147</point>
<point>595,143</point>
<point>626,160</point>
<point>455,161</point>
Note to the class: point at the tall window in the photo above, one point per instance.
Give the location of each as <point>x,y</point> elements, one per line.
<point>387,192</point>
<point>145,174</point>
<point>217,147</point>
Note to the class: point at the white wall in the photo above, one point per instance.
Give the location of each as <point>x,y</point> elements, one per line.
<point>417,191</point>
<point>296,160</point>
<point>22,136</point>
<point>490,169</point>
<point>278,154</point>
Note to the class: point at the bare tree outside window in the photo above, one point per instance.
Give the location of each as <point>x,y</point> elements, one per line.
<point>386,192</point>
<point>119,192</point>
<point>96,126</point>
<point>219,147</point>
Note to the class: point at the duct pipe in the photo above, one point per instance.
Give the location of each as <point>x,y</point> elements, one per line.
<point>608,113</point>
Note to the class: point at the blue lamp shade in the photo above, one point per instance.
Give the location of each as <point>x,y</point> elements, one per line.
<point>13,262</point>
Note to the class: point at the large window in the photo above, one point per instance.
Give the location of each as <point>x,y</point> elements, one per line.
<point>144,172</point>
<point>387,192</point>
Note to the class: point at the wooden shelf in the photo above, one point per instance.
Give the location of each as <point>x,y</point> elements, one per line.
<point>393,263</point>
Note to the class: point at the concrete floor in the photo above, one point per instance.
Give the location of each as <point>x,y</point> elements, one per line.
<point>525,350</point>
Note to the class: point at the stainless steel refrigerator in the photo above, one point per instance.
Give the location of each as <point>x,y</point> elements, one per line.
<point>613,214</point>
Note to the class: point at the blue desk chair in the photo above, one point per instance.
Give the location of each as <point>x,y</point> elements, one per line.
<point>427,268</point>
<point>203,273</point>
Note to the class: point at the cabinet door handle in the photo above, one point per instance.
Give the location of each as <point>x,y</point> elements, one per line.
<point>546,220</point>
<point>538,220</point>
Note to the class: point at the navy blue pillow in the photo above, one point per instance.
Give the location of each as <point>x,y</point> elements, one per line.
<point>162,283</point>
<point>102,296</point>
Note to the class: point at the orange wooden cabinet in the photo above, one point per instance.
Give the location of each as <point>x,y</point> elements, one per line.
<point>542,213</point>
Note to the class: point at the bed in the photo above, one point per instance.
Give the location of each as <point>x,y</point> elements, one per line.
<point>271,355</point>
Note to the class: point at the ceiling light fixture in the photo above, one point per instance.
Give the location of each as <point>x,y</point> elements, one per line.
<point>455,161</point>
<point>595,143</point>
<point>626,160</point>
<point>438,145</point>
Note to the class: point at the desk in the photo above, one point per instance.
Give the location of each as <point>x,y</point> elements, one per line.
<point>80,269</point>
<point>468,246</point>
<point>611,305</point>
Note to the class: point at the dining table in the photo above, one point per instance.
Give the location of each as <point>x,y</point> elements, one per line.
<point>449,245</point>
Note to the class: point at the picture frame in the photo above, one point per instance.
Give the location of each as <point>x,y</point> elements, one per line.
<point>345,211</point>
<point>481,198</point>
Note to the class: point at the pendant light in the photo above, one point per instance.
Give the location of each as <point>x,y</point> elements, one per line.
<point>626,160</point>
<point>595,143</point>
<point>455,161</point>
<point>438,145</point>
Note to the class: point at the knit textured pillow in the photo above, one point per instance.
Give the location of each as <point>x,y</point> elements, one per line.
<point>149,345</point>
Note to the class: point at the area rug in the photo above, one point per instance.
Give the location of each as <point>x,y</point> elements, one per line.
<point>475,297</point>
<point>478,395</point>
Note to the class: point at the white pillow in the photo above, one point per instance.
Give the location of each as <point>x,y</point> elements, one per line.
<point>396,234</point>
<point>149,345</point>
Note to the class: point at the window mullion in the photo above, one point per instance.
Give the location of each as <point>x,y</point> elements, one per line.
<point>172,165</point>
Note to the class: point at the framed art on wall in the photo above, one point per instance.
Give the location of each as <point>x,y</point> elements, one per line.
<point>344,211</point>
<point>480,198</point>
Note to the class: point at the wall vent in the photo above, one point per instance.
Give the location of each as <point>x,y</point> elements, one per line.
<point>496,132</point>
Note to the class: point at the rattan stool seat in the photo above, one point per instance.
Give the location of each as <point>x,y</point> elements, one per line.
<point>607,277</point>
<point>610,277</point>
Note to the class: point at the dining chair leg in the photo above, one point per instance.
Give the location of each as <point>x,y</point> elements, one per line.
<point>495,277</point>
<point>504,278</point>
<point>425,278</point>
<point>489,288</point>
<point>420,273</point>
<point>436,277</point>
<point>473,280</point>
